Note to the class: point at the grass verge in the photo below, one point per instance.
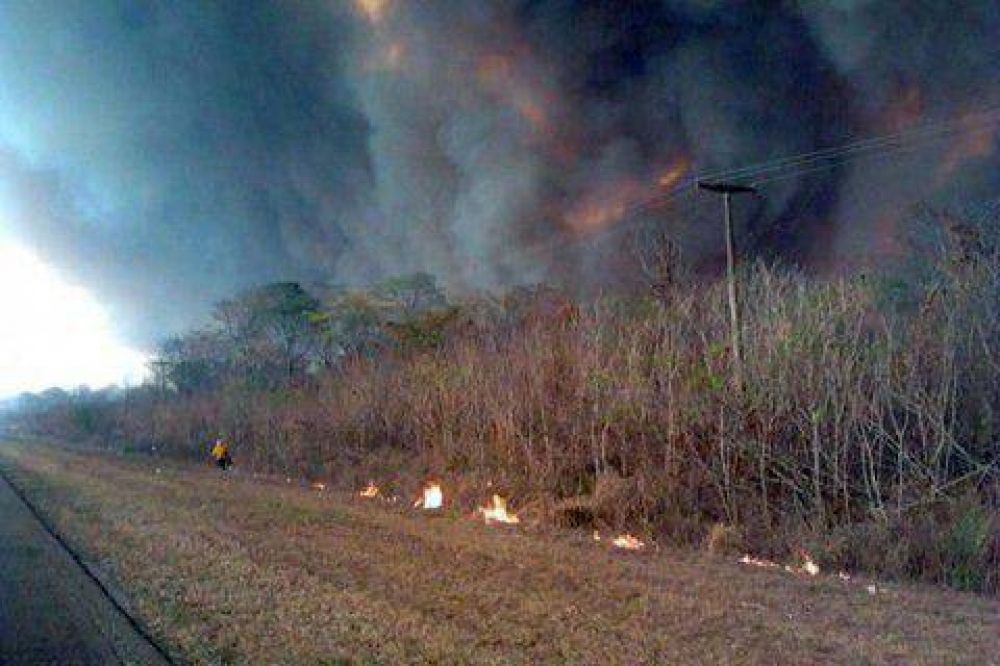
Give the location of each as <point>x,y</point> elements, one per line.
<point>229,569</point>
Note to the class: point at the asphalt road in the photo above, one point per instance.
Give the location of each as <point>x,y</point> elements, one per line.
<point>51,611</point>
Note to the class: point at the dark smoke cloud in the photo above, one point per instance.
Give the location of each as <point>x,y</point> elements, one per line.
<point>192,147</point>
<point>167,153</point>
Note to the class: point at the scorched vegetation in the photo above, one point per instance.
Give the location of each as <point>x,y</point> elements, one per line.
<point>864,433</point>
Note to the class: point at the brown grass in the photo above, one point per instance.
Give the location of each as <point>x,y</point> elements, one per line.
<point>235,569</point>
<point>867,419</point>
<point>866,430</point>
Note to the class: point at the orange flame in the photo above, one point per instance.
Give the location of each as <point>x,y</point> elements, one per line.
<point>596,215</point>
<point>628,542</point>
<point>432,498</point>
<point>369,491</point>
<point>757,562</point>
<point>808,565</point>
<point>672,175</point>
<point>613,202</point>
<point>373,10</point>
<point>498,512</point>
<point>387,57</point>
<point>531,111</point>
<point>607,207</point>
<point>496,71</point>
<point>318,486</point>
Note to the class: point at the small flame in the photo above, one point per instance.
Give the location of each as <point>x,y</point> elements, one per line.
<point>628,542</point>
<point>433,498</point>
<point>532,112</point>
<point>613,201</point>
<point>369,491</point>
<point>674,172</point>
<point>597,535</point>
<point>757,562</point>
<point>318,486</point>
<point>373,10</point>
<point>808,567</point>
<point>501,75</point>
<point>601,208</point>
<point>498,512</point>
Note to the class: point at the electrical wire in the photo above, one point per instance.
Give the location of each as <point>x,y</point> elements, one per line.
<point>788,167</point>
<point>931,131</point>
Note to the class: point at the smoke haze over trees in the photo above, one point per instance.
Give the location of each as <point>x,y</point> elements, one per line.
<point>863,428</point>
<point>169,154</point>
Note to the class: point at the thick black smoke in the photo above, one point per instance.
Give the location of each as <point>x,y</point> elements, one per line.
<point>167,153</point>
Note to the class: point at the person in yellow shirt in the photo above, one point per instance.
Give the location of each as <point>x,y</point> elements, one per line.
<point>220,452</point>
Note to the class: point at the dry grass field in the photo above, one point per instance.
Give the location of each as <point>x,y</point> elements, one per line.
<point>234,569</point>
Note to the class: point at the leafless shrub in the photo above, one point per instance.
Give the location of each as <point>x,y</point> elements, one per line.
<point>865,413</point>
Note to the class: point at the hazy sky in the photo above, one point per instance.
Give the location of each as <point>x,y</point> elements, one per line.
<point>54,333</point>
<point>161,154</point>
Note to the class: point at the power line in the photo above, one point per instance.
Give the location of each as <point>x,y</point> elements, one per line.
<point>785,168</point>
<point>888,151</point>
<point>929,131</point>
<point>804,163</point>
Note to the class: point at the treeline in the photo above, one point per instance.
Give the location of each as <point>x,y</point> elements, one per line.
<point>282,333</point>
<point>865,429</point>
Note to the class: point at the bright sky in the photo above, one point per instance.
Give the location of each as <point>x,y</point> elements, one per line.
<point>53,333</point>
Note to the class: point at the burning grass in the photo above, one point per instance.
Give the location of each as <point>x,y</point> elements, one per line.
<point>431,499</point>
<point>230,569</point>
<point>866,431</point>
<point>497,512</point>
<point>628,542</point>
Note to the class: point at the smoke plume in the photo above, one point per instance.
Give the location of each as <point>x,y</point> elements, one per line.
<point>165,153</point>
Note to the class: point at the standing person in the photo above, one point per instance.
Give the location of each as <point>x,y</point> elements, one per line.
<point>220,452</point>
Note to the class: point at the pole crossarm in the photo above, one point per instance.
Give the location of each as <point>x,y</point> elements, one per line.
<point>723,187</point>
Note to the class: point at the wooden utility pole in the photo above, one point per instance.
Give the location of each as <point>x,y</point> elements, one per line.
<point>727,190</point>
